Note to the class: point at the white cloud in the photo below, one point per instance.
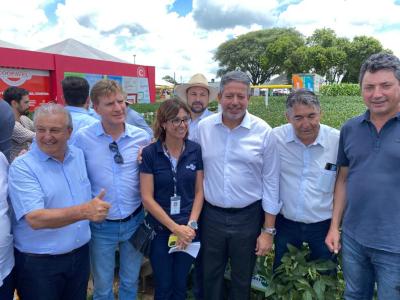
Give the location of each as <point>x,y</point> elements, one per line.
<point>184,45</point>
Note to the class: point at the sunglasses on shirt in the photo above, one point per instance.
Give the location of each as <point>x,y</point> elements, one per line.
<point>117,157</point>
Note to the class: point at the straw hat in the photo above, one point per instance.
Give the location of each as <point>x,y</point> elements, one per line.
<point>196,80</point>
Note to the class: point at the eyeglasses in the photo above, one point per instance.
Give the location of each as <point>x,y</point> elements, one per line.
<point>117,157</point>
<point>177,122</point>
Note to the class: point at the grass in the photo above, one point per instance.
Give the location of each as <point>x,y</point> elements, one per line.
<point>335,110</point>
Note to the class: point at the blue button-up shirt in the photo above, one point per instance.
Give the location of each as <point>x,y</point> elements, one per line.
<point>80,118</point>
<point>195,123</point>
<point>121,181</point>
<point>37,181</point>
<point>136,119</point>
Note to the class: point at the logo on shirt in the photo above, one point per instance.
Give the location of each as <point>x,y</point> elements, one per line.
<point>191,167</point>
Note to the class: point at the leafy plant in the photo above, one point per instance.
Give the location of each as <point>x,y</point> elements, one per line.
<point>297,278</point>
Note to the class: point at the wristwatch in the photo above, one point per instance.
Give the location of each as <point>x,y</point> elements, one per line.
<point>269,230</point>
<point>193,224</point>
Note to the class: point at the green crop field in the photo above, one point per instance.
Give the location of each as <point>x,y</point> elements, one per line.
<point>336,110</point>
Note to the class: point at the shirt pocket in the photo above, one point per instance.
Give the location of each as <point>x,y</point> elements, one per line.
<point>326,181</point>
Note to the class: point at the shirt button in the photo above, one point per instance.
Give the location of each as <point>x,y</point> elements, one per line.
<point>77,241</point>
<point>79,226</point>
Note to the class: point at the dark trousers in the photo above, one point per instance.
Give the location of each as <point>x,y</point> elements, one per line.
<point>295,233</point>
<point>53,277</point>
<point>8,287</point>
<point>170,271</point>
<point>229,234</point>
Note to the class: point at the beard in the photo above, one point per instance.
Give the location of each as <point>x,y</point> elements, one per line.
<point>199,108</point>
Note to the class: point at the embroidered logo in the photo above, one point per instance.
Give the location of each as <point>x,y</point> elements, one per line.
<point>191,167</point>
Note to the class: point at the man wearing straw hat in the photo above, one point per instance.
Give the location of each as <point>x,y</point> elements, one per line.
<point>197,93</point>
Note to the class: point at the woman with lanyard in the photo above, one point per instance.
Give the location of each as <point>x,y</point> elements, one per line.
<point>171,183</point>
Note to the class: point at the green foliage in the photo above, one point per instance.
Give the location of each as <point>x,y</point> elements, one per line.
<point>170,79</point>
<point>297,278</point>
<point>342,89</point>
<point>259,53</point>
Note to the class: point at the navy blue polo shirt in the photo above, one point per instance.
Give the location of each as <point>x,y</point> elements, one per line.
<point>372,212</point>
<point>155,162</point>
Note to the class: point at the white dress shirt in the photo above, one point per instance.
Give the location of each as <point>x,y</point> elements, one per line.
<point>306,188</point>
<point>241,165</point>
<point>6,239</point>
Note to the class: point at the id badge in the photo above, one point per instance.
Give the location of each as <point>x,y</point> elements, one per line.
<point>175,205</point>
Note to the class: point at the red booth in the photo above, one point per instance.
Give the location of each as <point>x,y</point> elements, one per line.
<point>41,74</point>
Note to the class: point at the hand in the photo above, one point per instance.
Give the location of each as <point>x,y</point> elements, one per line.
<point>139,155</point>
<point>185,234</point>
<point>97,208</point>
<point>332,240</point>
<point>264,244</point>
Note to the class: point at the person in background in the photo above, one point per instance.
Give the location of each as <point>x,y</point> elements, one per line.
<point>241,188</point>
<point>51,200</point>
<point>111,149</point>
<point>24,131</point>
<point>76,96</point>
<point>367,187</point>
<point>307,151</point>
<point>136,119</point>
<point>171,183</point>
<point>7,122</point>
<point>197,93</point>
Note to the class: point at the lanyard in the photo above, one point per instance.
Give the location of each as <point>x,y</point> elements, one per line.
<point>173,166</point>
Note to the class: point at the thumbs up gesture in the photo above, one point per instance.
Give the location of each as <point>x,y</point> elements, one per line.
<point>97,208</point>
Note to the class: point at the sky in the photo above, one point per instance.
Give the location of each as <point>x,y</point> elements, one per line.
<point>180,37</point>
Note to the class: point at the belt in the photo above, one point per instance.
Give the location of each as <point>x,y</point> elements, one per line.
<point>53,255</point>
<point>137,210</point>
<point>232,209</point>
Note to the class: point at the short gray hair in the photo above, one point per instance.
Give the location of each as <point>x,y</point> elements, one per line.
<point>237,76</point>
<point>52,108</point>
<point>302,96</point>
<point>380,61</point>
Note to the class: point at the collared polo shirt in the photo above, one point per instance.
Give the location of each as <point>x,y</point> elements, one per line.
<point>372,213</point>
<point>157,163</point>
<point>305,187</point>
<point>80,118</point>
<point>241,165</point>
<point>195,123</point>
<point>120,181</point>
<point>37,181</point>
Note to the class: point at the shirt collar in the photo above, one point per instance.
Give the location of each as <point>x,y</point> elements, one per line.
<point>77,109</point>
<point>320,140</point>
<point>99,130</point>
<point>44,156</point>
<point>366,117</point>
<point>246,122</point>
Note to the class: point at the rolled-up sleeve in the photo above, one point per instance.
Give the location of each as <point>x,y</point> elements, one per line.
<point>270,173</point>
<point>25,192</point>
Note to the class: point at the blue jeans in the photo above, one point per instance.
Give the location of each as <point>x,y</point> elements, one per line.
<point>363,266</point>
<point>107,237</point>
<point>53,277</point>
<point>170,271</point>
<point>295,233</point>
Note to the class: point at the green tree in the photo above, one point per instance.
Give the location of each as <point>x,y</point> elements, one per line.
<point>357,51</point>
<point>261,53</point>
<point>170,79</point>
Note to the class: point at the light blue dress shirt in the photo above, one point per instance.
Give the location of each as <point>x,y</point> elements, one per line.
<point>6,239</point>
<point>195,123</point>
<point>80,118</point>
<point>241,165</point>
<point>306,188</point>
<point>37,181</point>
<point>121,181</point>
<point>136,119</point>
